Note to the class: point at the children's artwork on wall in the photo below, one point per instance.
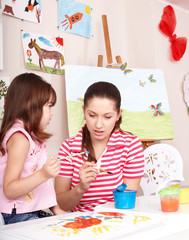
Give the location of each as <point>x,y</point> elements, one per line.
<point>106,223</point>
<point>167,26</point>
<point>43,53</point>
<point>4,83</point>
<point>75,17</point>
<point>146,111</point>
<point>186,90</point>
<point>1,42</point>
<point>30,10</point>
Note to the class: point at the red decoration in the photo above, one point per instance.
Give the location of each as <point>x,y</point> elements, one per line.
<point>167,26</point>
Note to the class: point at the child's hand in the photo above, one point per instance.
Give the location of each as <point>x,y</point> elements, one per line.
<point>51,168</point>
<point>57,210</point>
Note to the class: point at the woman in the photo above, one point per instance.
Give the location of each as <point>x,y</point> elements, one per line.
<point>80,186</point>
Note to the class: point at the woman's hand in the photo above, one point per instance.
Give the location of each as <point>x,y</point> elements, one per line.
<point>51,168</point>
<point>87,174</point>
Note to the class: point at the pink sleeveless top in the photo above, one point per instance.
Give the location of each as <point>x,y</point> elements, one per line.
<point>41,197</point>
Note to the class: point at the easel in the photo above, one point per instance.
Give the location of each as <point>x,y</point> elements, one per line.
<point>146,142</point>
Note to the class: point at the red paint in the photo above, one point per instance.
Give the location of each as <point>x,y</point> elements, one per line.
<point>112,214</point>
<point>82,223</point>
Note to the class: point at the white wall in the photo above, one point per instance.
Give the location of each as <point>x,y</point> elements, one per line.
<point>134,34</point>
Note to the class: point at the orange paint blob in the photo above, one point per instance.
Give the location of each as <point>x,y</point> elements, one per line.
<point>171,205</point>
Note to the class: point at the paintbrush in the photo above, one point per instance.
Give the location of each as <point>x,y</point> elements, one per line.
<point>81,161</point>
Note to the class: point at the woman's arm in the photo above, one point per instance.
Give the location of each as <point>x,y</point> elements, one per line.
<point>68,198</point>
<point>13,185</point>
<point>132,184</point>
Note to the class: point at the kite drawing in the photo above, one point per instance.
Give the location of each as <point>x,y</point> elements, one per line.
<point>43,52</point>
<point>26,10</point>
<point>75,17</point>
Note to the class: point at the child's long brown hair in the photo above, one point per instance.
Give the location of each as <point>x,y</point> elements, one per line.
<point>26,96</point>
<point>101,90</point>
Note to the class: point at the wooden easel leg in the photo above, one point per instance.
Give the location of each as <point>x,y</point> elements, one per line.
<point>107,39</point>
<point>118,59</point>
<point>100,61</point>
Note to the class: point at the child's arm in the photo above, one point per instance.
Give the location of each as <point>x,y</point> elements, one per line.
<point>13,186</point>
<point>57,210</point>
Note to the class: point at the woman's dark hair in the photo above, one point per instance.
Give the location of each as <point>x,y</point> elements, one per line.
<point>100,90</point>
<point>26,96</point>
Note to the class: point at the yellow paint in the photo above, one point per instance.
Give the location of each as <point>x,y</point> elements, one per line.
<point>99,229</point>
<point>76,231</point>
<point>140,219</point>
<point>87,10</point>
<point>94,230</point>
<point>106,228</point>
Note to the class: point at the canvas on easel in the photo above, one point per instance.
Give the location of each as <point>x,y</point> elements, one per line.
<point>140,104</point>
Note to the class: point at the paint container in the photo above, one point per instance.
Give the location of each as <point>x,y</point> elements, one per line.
<point>169,198</point>
<point>184,195</point>
<point>125,199</point>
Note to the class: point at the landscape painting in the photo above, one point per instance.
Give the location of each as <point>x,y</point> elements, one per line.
<point>146,112</point>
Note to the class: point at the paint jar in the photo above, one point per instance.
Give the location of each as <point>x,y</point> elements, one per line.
<point>125,199</point>
<point>184,195</point>
<point>169,198</point>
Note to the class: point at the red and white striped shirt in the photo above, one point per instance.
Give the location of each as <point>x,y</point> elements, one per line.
<point>123,157</point>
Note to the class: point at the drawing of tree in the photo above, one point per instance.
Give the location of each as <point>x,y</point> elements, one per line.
<point>3,89</point>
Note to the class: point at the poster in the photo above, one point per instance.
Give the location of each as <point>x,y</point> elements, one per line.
<point>30,10</point>
<point>43,53</point>
<point>146,112</point>
<point>1,41</point>
<point>75,17</point>
<point>4,83</point>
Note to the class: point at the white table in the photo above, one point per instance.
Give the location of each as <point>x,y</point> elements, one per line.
<point>174,225</point>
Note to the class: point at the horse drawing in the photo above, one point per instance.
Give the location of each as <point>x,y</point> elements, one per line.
<point>45,54</point>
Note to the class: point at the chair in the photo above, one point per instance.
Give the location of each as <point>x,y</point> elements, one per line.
<point>163,168</point>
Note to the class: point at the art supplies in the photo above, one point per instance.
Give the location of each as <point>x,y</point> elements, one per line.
<point>81,161</point>
<point>169,199</point>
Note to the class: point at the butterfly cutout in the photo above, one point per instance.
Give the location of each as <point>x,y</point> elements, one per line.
<point>167,26</point>
<point>81,99</point>
<point>123,67</point>
<point>152,80</point>
<point>157,110</point>
<point>142,83</point>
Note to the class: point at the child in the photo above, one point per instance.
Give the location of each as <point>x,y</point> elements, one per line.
<point>80,186</point>
<point>26,174</point>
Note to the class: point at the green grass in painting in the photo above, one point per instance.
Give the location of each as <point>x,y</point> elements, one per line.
<point>142,124</point>
<point>48,69</point>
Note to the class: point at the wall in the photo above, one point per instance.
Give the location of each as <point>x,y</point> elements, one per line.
<point>134,34</point>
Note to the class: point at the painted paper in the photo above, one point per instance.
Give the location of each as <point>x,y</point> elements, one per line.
<point>75,17</point>
<point>43,53</point>
<point>145,105</point>
<point>1,41</point>
<point>30,10</point>
<point>103,224</point>
<point>4,83</point>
